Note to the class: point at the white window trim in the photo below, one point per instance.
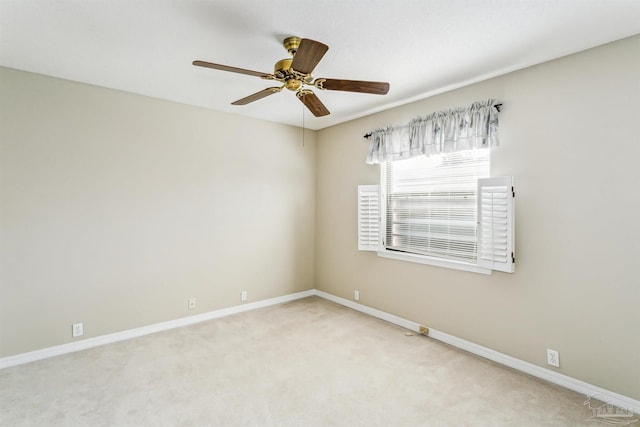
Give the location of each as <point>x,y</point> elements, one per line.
<point>445,263</point>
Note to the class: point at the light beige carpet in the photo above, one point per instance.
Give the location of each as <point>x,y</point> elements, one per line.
<point>305,363</point>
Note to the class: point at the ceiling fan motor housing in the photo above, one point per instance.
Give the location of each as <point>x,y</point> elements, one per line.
<point>283,72</point>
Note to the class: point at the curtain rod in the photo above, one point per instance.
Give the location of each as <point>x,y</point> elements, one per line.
<point>497,106</point>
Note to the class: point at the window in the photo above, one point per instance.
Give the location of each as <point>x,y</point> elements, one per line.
<point>430,212</point>
<point>430,204</point>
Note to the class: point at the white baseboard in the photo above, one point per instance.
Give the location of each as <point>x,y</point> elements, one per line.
<point>59,350</point>
<point>589,390</point>
<point>570,383</point>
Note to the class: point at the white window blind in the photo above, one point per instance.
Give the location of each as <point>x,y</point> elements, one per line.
<point>495,219</point>
<point>431,205</point>
<point>369,217</point>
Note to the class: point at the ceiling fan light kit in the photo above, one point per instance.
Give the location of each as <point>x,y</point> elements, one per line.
<point>296,72</point>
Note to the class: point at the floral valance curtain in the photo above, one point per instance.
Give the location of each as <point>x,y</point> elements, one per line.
<point>458,129</point>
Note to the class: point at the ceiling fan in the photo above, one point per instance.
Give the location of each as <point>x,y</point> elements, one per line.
<point>295,73</point>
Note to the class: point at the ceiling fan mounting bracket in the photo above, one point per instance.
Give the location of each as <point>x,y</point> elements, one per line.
<point>291,44</point>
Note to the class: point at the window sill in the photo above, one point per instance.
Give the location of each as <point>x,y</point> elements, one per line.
<point>421,259</point>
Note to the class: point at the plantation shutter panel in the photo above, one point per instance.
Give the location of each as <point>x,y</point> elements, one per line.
<point>495,224</point>
<point>368,217</point>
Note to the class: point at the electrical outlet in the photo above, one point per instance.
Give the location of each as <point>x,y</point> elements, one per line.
<point>356,295</point>
<point>192,303</point>
<point>553,358</point>
<point>77,330</point>
<point>243,296</point>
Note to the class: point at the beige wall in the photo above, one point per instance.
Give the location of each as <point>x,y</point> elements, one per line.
<point>116,208</point>
<point>569,133</point>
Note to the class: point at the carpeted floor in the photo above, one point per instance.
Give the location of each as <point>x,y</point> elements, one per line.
<point>309,362</point>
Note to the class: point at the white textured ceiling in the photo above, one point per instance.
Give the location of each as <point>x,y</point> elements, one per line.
<point>421,47</point>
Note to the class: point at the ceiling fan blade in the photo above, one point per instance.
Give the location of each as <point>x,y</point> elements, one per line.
<point>376,88</point>
<point>313,103</point>
<point>229,68</point>
<point>256,96</point>
<point>309,53</point>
